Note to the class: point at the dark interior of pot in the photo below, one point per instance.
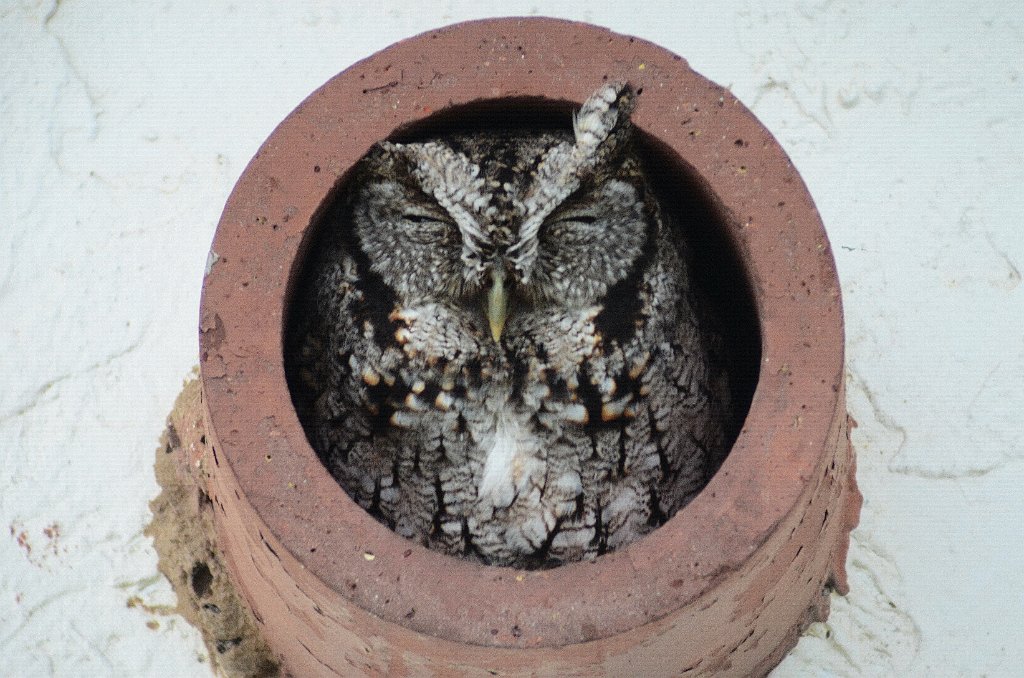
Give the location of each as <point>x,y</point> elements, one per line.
<point>715,266</point>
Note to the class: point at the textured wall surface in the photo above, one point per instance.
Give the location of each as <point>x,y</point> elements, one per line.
<point>124,127</point>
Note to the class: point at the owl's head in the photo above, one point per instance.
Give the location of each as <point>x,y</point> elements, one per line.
<point>501,221</point>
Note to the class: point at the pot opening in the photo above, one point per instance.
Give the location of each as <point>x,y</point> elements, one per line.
<point>716,272</point>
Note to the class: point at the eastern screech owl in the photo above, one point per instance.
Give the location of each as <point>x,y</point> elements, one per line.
<point>506,357</point>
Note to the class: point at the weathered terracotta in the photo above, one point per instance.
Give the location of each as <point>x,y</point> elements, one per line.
<point>725,586</point>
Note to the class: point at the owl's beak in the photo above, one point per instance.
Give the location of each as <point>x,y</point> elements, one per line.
<point>497,303</point>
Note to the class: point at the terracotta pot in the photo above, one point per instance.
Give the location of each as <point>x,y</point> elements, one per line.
<point>725,586</point>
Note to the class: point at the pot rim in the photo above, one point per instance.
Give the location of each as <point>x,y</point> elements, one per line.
<point>258,248</point>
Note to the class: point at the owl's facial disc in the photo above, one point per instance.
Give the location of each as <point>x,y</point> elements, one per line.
<point>502,223</point>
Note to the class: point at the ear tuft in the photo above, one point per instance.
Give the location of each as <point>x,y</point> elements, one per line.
<point>605,113</point>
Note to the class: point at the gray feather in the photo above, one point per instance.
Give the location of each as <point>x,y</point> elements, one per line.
<point>602,408</point>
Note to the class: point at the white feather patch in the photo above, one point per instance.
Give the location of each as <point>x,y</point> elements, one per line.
<point>510,462</point>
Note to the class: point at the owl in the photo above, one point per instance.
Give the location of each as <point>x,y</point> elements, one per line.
<point>504,354</point>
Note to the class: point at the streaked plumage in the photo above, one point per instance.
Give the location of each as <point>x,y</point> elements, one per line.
<point>506,357</point>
